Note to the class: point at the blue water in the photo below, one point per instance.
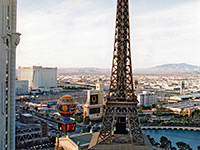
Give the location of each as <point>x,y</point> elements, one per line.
<point>190,137</point>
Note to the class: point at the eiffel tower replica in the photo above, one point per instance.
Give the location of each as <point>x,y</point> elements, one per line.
<point>121,126</point>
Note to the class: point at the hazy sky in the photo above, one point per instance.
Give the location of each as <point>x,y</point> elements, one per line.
<point>80,33</point>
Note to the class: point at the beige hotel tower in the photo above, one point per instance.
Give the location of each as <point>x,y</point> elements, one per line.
<point>9,39</point>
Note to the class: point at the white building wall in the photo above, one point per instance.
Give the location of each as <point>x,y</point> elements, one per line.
<point>48,78</point>
<point>25,73</point>
<point>147,98</point>
<point>38,76</point>
<point>9,39</point>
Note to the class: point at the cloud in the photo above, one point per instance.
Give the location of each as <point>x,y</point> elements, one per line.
<point>69,34</point>
<point>80,33</point>
<point>167,36</point>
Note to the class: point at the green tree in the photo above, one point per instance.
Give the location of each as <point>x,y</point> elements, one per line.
<point>87,120</point>
<point>79,118</point>
<point>173,148</point>
<point>153,106</point>
<point>198,147</point>
<point>157,144</point>
<point>141,108</point>
<point>23,109</point>
<point>183,146</point>
<point>47,115</point>
<point>165,143</point>
<point>196,114</point>
<point>27,108</point>
<point>152,140</point>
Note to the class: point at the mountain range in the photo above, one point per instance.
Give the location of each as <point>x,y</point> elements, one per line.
<point>178,69</point>
<point>87,70</point>
<point>181,66</point>
<point>170,69</point>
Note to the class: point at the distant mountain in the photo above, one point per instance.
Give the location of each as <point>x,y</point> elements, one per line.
<point>178,69</point>
<point>181,66</point>
<point>84,70</point>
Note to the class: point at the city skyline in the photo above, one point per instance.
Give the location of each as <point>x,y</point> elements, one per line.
<point>80,33</point>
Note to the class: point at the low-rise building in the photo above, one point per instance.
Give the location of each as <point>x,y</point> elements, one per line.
<point>21,87</point>
<point>178,98</point>
<point>184,105</point>
<point>147,98</point>
<point>74,142</point>
<point>32,133</point>
<point>38,76</point>
<point>26,118</point>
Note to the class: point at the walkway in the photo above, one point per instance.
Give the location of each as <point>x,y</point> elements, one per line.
<point>172,128</point>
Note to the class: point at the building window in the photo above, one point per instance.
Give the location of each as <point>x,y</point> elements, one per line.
<point>7,18</point>
<point>6,93</point>
<point>7,45</point>
<point>94,110</point>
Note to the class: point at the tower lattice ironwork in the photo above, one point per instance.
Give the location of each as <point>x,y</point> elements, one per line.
<point>121,123</point>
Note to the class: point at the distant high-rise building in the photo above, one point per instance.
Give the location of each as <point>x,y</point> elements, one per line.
<point>147,98</point>
<point>9,39</point>
<point>38,77</point>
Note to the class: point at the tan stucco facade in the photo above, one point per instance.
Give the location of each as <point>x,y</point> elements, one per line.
<point>67,143</point>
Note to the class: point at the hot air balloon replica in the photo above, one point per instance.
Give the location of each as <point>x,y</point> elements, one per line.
<point>66,106</point>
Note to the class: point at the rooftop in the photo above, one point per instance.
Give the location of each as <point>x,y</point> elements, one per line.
<point>22,125</point>
<point>27,115</point>
<point>82,139</point>
<point>183,96</point>
<point>183,105</point>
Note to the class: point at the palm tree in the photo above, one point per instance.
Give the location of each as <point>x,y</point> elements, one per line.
<point>183,146</point>
<point>47,115</point>
<point>165,143</point>
<point>27,108</point>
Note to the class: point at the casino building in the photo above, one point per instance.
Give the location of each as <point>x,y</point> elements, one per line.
<point>74,142</point>
<point>38,76</point>
<point>94,104</point>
